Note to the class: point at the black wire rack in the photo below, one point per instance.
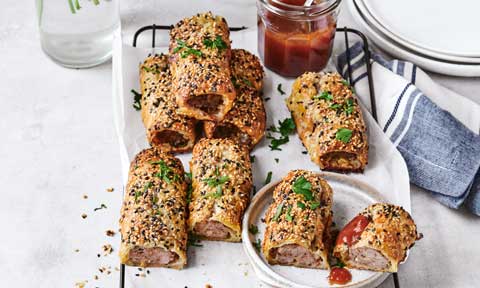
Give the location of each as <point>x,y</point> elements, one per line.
<point>347,32</point>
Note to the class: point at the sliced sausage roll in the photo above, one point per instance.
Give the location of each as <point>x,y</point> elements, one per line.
<point>298,222</point>
<point>165,127</point>
<point>221,181</point>
<point>200,62</point>
<point>245,123</point>
<point>377,239</point>
<point>153,216</point>
<point>329,122</point>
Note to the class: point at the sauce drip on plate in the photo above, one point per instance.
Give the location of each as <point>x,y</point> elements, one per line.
<point>339,276</point>
<point>352,231</point>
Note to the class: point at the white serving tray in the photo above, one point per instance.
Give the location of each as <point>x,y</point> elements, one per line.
<point>226,264</point>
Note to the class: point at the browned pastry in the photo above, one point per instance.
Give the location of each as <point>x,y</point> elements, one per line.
<point>329,122</point>
<point>298,221</point>
<point>165,127</point>
<point>221,181</point>
<point>200,55</point>
<point>245,123</point>
<point>153,216</point>
<point>377,239</point>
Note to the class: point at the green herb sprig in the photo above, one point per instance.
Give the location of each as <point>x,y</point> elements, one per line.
<point>217,43</point>
<point>280,90</point>
<point>137,98</point>
<point>344,135</point>
<point>186,50</point>
<point>285,128</point>
<point>217,181</point>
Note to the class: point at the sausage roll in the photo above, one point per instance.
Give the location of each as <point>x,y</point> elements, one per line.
<point>200,62</point>
<point>165,127</point>
<point>377,239</point>
<point>153,216</point>
<point>245,123</point>
<point>221,181</point>
<point>329,122</point>
<point>299,221</point>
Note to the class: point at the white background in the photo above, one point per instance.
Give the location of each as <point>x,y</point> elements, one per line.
<point>58,143</point>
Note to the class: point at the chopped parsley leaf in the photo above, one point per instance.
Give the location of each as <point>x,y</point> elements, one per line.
<point>252,158</point>
<point>278,212</point>
<point>257,245</point>
<point>335,106</point>
<point>247,82</point>
<point>269,177</point>
<point>165,172</point>
<point>280,90</point>
<point>253,229</point>
<point>304,187</point>
<point>344,135</point>
<point>301,205</point>
<point>193,241</point>
<point>217,43</point>
<point>324,96</point>
<point>276,160</point>
<point>314,205</point>
<point>137,97</point>
<point>187,50</point>
<point>286,127</point>
<point>147,186</point>
<point>289,216</point>
<point>216,182</point>
<point>188,177</point>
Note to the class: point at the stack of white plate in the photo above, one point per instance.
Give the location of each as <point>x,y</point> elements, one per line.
<point>440,36</point>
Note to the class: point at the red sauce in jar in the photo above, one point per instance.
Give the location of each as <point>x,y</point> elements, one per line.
<point>352,231</point>
<point>291,47</point>
<point>339,276</point>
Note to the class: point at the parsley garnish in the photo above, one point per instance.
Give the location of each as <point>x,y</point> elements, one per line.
<point>346,83</point>
<point>279,89</point>
<point>216,43</point>
<point>257,244</point>
<point>276,160</point>
<point>289,216</point>
<point>137,97</point>
<point>153,70</point>
<point>325,96</point>
<point>286,127</point>
<point>344,135</point>
<point>253,229</point>
<point>247,82</point>
<point>252,158</point>
<point>278,212</point>
<point>339,264</point>
<point>102,206</point>
<point>217,182</point>
<point>348,106</point>
<point>314,205</point>
<point>193,241</point>
<point>269,177</point>
<point>166,173</point>
<point>303,187</point>
<point>187,50</point>
<point>301,205</point>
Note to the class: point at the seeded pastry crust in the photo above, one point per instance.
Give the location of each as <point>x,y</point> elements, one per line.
<point>219,216</point>
<point>317,122</point>
<point>153,215</point>
<point>245,123</point>
<point>165,127</point>
<point>385,240</point>
<point>202,79</point>
<point>304,241</point>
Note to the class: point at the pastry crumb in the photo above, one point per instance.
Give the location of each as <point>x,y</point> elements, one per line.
<point>110,189</point>
<point>81,284</point>
<point>84,215</point>
<point>77,250</point>
<point>107,249</point>
<point>85,196</point>
<point>110,233</point>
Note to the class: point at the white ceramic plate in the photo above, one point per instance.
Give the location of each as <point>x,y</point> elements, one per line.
<point>448,27</point>
<point>362,6</point>
<point>350,196</point>
<point>401,52</point>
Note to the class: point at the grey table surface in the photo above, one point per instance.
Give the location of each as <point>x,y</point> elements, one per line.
<point>58,143</point>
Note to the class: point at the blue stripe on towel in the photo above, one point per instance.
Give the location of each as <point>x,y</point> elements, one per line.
<point>396,108</point>
<point>406,114</point>
<point>401,68</point>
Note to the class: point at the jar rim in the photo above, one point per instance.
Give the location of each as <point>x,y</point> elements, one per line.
<point>290,10</point>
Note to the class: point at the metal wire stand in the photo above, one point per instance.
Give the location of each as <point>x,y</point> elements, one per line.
<point>345,31</point>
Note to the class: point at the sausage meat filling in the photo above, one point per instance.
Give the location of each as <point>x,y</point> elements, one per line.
<point>173,138</point>
<point>208,103</point>
<point>152,256</point>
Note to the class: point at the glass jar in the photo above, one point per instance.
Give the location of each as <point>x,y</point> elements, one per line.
<point>294,39</point>
<point>78,33</point>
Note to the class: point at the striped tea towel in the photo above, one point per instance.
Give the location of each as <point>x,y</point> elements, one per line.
<point>435,129</point>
